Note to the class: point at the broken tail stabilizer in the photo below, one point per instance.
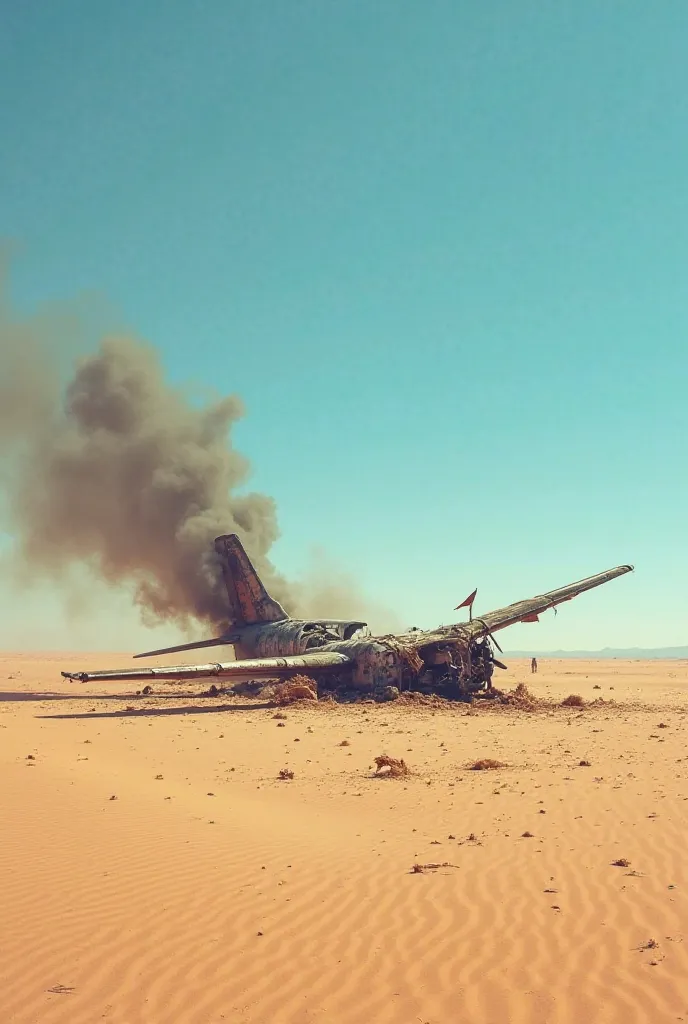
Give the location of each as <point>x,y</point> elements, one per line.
<point>249,601</point>
<point>218,641</point>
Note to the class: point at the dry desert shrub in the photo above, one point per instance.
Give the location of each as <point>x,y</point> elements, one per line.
<point>574,700</point>
<point>521,697</point>
<point>486,764</point>
<point>285,774</point>
<point>298,688</point>
<point>395,769</point>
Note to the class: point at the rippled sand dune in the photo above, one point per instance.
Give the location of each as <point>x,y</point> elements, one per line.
<point>155,869</point>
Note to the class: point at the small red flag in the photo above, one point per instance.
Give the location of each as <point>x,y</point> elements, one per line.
<point>468,603</point>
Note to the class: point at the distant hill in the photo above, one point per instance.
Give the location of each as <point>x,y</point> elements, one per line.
<point>629,653</point>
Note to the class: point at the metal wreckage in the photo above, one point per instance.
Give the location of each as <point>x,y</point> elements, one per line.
<point>455,661</point>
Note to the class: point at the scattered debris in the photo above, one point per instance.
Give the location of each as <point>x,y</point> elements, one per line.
<point>389,693</point>
<point>574,700</point>
<point>428,700</point>
<point>285,773</point>
<point>396,768</point>
<point>280,714</point>
<point>419,869</point>
<point>250,688</point>
<point>621,863</point>
<point>486,764</point>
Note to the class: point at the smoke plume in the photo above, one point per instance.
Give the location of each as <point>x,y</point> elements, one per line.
<point>106,467</point>
<point>113,469</point>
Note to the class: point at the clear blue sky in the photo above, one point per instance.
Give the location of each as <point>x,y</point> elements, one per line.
<point>440,249</point>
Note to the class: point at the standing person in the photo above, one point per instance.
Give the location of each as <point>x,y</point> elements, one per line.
<point>533,665</point>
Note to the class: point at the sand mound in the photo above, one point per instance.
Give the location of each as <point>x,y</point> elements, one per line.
<point>298,688</point>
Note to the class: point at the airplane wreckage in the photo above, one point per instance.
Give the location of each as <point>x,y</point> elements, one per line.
<point>455,661</point>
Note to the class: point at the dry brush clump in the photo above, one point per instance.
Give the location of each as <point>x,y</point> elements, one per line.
<point>390,767</point>
<point>574,700</point>
<point>486,764</point>
<point>521,697</point>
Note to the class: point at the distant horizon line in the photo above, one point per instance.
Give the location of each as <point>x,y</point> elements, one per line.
<point>655,653</point>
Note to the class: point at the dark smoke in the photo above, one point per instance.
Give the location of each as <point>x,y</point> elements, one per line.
<point>105,466</point>
<point>114,469</point>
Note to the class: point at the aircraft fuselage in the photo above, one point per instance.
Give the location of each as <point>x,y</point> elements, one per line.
<point>290,636</point>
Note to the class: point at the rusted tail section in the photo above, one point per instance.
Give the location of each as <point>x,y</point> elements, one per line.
<point>249,601</point>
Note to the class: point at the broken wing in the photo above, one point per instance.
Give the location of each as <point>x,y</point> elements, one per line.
<point>218,641</point>
<point>249,668</point>
<point>531,608</point>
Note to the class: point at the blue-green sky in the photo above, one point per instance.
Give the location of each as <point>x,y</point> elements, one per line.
<point>439,248</point>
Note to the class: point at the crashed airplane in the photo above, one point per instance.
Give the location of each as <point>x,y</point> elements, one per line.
<point>455,661</point>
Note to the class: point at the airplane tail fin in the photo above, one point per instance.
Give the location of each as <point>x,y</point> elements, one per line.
<point>249,601</point>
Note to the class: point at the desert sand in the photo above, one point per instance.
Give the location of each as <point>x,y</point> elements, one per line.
<point>156,870</point>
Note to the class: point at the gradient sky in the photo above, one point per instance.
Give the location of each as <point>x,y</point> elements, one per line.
<point>439,248</point>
